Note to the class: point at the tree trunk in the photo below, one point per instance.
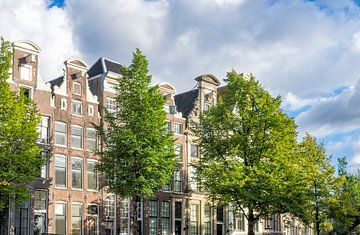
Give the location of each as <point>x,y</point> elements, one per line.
<point>251,222</point>
<point>133,216</point>
<point>317,221</point>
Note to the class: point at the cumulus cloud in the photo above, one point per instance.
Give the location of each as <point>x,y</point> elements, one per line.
<point>49,28</point>
<point>333,115</point>
<point>290,46</point>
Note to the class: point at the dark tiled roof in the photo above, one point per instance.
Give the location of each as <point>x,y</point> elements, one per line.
<point>103,65</point>
<point>112,66</point>
<point>56,82</point>
<point>96,68</point>
<point>185,101</point>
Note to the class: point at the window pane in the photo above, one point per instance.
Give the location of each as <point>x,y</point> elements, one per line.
<point>43,129</point>
<point>92,175</point>
<point>76,219</point>
<point>153,208</point>
<point>76,173</point>
<point>91,139</point>
<point>60,171</point>
<point>60,133</point>
<point>178,152</point>
<point>194,151</point>
<point>76,137</point>
<point>76,107</point>
<point>177,181</point>
<point>60,219</point>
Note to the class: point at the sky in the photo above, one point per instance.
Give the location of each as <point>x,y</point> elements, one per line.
<point>306,51</point>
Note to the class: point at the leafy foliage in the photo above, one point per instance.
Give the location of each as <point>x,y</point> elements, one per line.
<point>20,160</point>
<point>323,185</point>
<point>346,213</point>
<point>248,147</point>
<point>138,156</point>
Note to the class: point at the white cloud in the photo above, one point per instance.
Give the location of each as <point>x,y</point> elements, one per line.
<point>333,115</point>
<point>292,102</point>
<point>49,28</point>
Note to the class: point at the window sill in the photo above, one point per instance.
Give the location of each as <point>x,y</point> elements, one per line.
<point>77,148</point>
<point>58,187</point>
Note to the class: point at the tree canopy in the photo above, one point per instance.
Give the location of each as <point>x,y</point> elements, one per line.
<point>20,160</point>
<point>248,149</point>
<point>138,154</point>
<point>322,188</point>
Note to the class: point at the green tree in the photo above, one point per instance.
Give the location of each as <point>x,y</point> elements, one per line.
<point>346,213</point>
<point>138,154</point>
<point>20,160</point>
<point>321,196</point>
<point>248,146</point>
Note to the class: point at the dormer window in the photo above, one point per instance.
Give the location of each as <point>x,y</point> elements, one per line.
<point>76,88</point>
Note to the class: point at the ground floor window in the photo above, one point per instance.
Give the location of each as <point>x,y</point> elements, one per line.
<point>194,219</point>
<point>60,218</point>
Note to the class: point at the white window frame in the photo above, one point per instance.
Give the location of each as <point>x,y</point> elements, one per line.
<point>63,104</point>
<point>66,170</point>
<point>81,173</point>
<point>81,217</point>
<point>90,110</point>
<point>77,102</point>
<point>87,138</point>
<point>65,213</point>
<point>175,129</point>
<point>65,134</point>
<point>82,137</point>
<point>74,90</point>
<point>94,216</point>
<point>111,104</point>
<point>96,175</point>
<point>42,127</point>
<point>30,88</point>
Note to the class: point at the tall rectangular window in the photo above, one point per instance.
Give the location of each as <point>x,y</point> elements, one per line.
<point>76,219</point>
<point>92,175</point>
<point>76,107</point>
<point>178,152</point>
<point>109,207</point>
<point>91,143</point>
<point>124,217</point>
<point>194,151</point>
<point>194,219</point>
<point>153,211</point>
<point>178,218</point>
<point>27,91</point>
<point>60,218</point>
<point>43,129</point>
<point>178,128</point>
<point>44,169</point>
<point>193,182</point>
<point>111,105</point>
<point>177,181</point>
<point>76,137</point>
<point>207,220</point>
<point>239,221</point>
<point>60,171</point>
<point>165,218</point>
<point>76,172</point>
<point>76,88</point>
<point>60,134</point>
<point>93,219</point>
<point>40,211</point>
<point>167,127</point>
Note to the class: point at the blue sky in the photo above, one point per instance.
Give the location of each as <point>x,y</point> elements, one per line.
<point>306,51</point>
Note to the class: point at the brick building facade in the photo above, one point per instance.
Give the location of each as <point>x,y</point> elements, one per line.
<point>70,197</point>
